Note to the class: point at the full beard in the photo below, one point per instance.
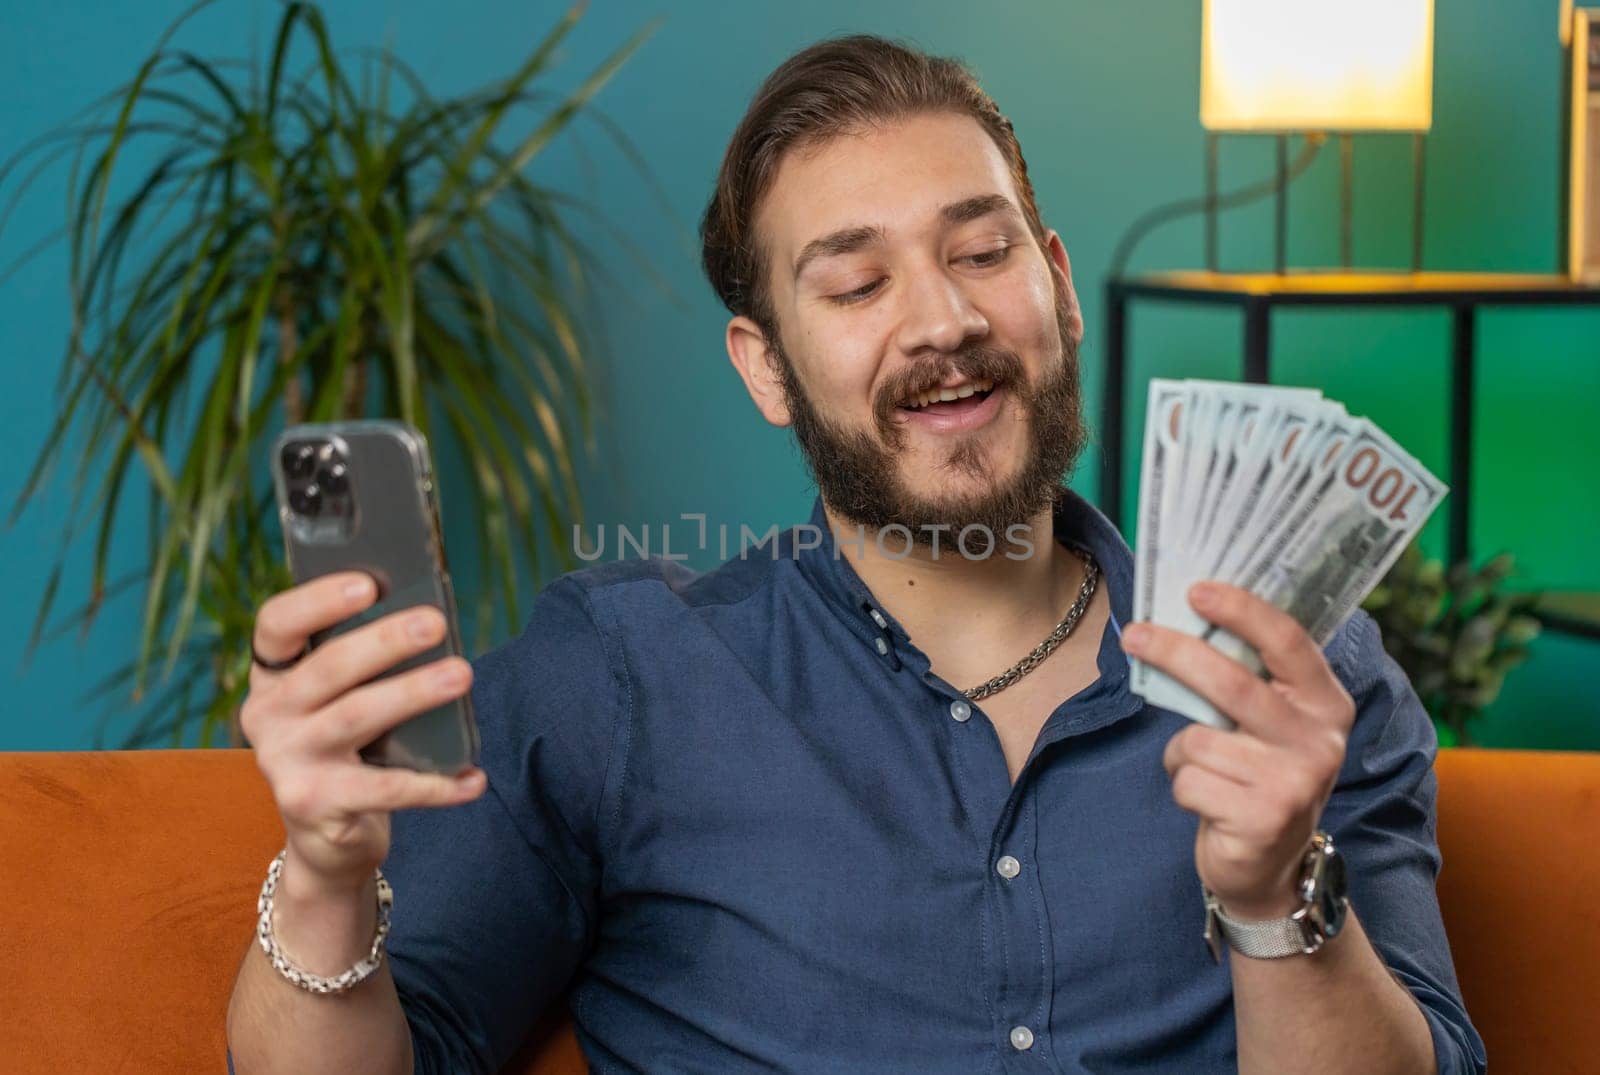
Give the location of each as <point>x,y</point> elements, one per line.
<point>858,476</point>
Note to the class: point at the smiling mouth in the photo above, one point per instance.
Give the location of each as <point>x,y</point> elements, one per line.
<point>949,400</point>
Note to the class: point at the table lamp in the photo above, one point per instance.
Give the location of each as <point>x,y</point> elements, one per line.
<point>1316,66</point>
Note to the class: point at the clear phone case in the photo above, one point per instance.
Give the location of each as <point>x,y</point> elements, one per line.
<point>359,495</point>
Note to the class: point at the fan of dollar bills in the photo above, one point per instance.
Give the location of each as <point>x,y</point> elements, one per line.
<point>1277,491</point>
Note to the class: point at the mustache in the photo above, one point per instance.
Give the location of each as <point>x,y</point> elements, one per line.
<point>972,363</point>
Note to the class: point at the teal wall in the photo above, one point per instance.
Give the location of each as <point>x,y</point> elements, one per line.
<point>1104,98</point>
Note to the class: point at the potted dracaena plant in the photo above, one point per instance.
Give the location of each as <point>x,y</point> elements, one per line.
<point>301,249</point>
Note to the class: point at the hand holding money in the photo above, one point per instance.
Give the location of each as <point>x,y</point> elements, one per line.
<point>1258,791</point>
<point>1277,492</point>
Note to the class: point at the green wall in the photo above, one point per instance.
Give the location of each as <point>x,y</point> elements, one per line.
<point>1104,96</point>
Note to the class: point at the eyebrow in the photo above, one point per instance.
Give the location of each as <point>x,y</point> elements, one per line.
<point>849,240</point>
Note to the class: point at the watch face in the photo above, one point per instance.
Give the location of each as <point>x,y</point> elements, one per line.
<point>1330,893</point>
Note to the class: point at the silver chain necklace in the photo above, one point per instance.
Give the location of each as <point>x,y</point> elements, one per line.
<point>1091,575</point>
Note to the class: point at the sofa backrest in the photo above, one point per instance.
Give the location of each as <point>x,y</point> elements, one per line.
<point>128,882</point>
<point>128,885</point>
<point>1518,830</point>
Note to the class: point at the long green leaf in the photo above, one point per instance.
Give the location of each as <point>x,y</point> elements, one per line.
<point>458,170</point>
<point>120,130</point>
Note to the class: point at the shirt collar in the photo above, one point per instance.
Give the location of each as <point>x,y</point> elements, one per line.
<point>1075,523</point>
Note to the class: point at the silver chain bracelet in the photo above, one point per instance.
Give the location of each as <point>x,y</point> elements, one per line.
<point>364,967</point>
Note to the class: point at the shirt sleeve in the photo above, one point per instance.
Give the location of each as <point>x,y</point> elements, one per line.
<point>1382,818</point>
<point>495,900</point>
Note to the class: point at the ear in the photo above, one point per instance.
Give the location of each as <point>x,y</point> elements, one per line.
<point>1056,252</point>
<point>758,367</point>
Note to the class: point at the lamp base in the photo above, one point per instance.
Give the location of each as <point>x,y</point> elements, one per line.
<point>1280,192</point>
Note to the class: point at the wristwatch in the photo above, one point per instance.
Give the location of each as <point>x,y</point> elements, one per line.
<point>1320,916</point>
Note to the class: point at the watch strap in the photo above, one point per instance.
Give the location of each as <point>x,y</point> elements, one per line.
<point>1304,932</point>
<point>1272,938</point>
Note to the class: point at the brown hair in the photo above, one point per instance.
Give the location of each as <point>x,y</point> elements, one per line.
<point>828,89</point>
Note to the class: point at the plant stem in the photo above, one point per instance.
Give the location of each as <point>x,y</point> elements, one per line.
<point>288,342</point>
<point>355,389</point>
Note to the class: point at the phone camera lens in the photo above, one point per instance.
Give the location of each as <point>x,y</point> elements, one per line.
<point>334,479</point>
<point>299,459</point>
<point>306,501</point>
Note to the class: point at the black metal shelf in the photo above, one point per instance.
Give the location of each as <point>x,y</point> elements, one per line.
<point>1571,612</point>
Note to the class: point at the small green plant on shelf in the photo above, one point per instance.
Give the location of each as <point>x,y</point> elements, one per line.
<point>1456,634</point>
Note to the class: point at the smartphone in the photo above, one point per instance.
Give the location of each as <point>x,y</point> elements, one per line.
<point>360,496</point>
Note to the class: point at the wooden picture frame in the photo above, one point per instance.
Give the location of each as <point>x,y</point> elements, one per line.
<point>1582,227</point>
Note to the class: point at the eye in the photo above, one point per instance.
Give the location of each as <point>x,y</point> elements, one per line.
<point>988,258</point>
<point>863,292</point>
<point>985,260</point>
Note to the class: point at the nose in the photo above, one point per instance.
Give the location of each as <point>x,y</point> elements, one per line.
<point>938,315</point>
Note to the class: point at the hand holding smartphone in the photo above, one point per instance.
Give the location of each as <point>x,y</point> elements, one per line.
<point>359,496</point>
<point>377,717</point>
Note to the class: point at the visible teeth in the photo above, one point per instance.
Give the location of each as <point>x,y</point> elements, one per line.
<point>946,395</point>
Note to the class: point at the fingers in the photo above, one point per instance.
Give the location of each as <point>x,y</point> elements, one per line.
<point>1288,652</point>
<point>313,796</point>
<point>288,619</point>
<point>373,789</point>
<point>1210,795</point>
<point>1221,680</point>
<point>363,714</point>
<point>1242,759</point>
<point>356,657</point>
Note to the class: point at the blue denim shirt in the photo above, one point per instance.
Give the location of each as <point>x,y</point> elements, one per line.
<point>752,831</point>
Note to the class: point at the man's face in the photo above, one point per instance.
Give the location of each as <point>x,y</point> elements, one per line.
<point>899,262</point>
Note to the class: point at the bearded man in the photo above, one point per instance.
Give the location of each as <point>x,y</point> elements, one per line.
<point>875,796</point>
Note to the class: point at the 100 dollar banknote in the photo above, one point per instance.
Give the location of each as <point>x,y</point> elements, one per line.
<point>1274,490</point>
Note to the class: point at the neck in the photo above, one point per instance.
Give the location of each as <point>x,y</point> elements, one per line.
<point>974,617</point>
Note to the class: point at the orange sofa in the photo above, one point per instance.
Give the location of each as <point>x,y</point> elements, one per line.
<point>128,882</point>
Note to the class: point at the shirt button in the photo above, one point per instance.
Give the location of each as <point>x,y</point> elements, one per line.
<point>1021,1038</point>
<point>877,618</point>
<point>1008,868</point>
<point>883,647</point>
<point>960,710</point>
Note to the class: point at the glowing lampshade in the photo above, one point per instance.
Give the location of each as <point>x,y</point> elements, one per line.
<point>1317,65</point>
